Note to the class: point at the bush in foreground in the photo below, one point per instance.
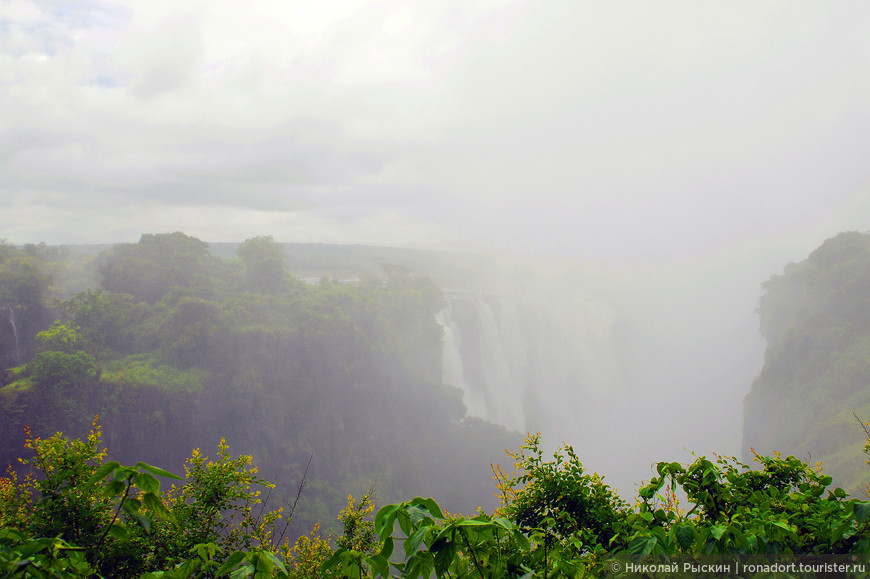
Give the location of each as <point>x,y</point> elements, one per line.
<point>76,515</point>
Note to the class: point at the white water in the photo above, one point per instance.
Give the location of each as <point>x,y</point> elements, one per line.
<point>531,365</point>
<point>629,369</point>
<point>15,332</point>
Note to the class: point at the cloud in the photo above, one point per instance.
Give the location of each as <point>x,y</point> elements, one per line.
<point>630,130</point>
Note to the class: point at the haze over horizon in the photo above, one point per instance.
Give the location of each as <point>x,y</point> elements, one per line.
<point>686,150</point>
<point>631,132</point>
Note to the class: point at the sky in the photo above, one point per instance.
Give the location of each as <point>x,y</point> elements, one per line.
<point>633,131</point>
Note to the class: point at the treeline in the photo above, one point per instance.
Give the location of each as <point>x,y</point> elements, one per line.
<point>175,348</point>
<point>815,317</point>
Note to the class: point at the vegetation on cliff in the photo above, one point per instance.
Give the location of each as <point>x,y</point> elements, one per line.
<point>815,317</point>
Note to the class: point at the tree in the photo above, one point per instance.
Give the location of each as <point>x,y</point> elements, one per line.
<point>60,338</point>
<point>148,269</point>
<point>23,287</point>
<point>189,333</point>
<point>783,507</point>
<point>101,318</point>
<point>559,496</point>
<point>264,263</point>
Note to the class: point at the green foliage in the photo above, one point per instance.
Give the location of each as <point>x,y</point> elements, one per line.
<point>454,546</point>
<point>64,522</point>
<point>189,331</point>
<point>307,556</point>
<point>60,338</point>
<point>62,370</point>
<point>358,533</point>
<point>193,348</point>
<point>263,261</point>
<point>141,508</point>
<point>148,269</point>
<point>101,318</point>
<point>219,503</point>
<point>783,507</point>
<point>815,317</point>
<point>138,371</point>
<point>23,282</point>
<point>80,515</point>
<point>560,497</point>
<point>84,516</point>
<point>64,505</point>
<point>23,556</point>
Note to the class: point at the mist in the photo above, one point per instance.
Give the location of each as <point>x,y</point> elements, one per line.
<point>629,364</point>
<point>625,176</point>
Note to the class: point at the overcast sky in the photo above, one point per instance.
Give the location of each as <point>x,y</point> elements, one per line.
<point>600,130</point>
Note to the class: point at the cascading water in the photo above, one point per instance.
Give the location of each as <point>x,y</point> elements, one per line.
<point>15,333</point>
<point>629,366</point>
<point>530,364</point>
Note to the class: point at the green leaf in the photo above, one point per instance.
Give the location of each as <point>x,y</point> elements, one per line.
<point>420,565</point>
<point>387,549</point>
<point>717,531</point>
<point>861,510</point>
<point>503,523</point>
<point>118,532</point>
<point>430,505</point>
<point>685,535</point>
<point>132,506</point>
<point>837,532</point>
<point>205,551</point>
<point>380,565</point>
<point>329,563</point>
<point>144,522</point>
<point>786,527</point>
<point>739,537</point>
<point>124,473</point>
<point>473,523</point>
<point>156,470</point>
<point>113,489</point>
<point>231,562</point>
<point>412,543</point>
<point>102,472</point>
<point>385,520</point>
<point>444,557</point>
<point>405,522</point>
<point>273,560</point>
<point>34,546</point>
<point>263,565</point>
<point>642,546</point>
<point>241,572</point>
<point>417,514</point>
<point>521,540</point>
<point>146,482</point>
<point>156,506</point>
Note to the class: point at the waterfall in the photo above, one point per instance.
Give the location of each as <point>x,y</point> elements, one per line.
<point>531,363</point>
<point>15,333</point>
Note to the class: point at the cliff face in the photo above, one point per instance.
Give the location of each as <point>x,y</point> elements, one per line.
<point>815,317</point>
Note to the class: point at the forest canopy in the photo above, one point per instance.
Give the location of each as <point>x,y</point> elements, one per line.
<point>175,348</point>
